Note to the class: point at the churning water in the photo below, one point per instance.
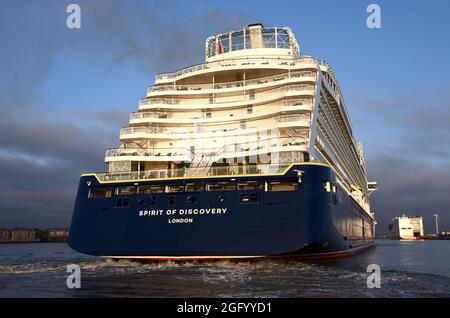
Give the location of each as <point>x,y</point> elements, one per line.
<point>408,269</point>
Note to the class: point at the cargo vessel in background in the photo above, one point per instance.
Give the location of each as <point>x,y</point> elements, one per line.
<point>406,228</point>
<point>248,155</point>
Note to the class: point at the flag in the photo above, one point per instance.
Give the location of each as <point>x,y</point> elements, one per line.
<point>219,46</point>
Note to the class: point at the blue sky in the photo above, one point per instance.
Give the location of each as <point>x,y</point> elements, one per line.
<point>64,94</point>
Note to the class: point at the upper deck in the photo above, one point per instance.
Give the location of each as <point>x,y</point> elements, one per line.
<point>253,40</point>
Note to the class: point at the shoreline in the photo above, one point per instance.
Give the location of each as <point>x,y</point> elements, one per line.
<point>28,242</point>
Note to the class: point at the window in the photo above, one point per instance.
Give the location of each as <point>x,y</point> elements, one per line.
<point>208,115</point>
<point>100,193</point>
<point>221,186</point>
<point>151,189</point>
<point>172,200</point>
<point>126,190</point>
<point>249,198</point>
<point>250,109</point>
<point>269,38</point>
<point>282,186</point>
<point>251,185</point>
<point>224,44</point>
<point>237,40</point>
<point>153,200</point>
<point>195,187</point>
<point>190,199</point>
<point>243,125</point>
<point>251,96</point>
<point>122,203</point>
<point>282,39</point>
<point>327,186</point>
<point>175,188</point>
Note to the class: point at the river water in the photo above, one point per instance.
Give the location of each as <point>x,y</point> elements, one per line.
<point>408,269</point>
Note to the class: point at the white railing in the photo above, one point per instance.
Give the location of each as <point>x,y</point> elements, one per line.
<point>151,152</point>
<point>164,101</point>
<point>289,118</point>
<point>200,150</point>
<point>144,130</point>
<point>257,110</point>
<point>257,81</point>
<point>213,171</point>
<point>302,87</point>
<point>241,62</point>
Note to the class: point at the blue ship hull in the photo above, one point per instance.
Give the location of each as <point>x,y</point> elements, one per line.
<point>220,224</point>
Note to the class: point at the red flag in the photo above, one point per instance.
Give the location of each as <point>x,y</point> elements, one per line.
<point>219,48</point>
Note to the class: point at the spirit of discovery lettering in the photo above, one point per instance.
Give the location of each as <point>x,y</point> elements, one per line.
<point>183,212</point>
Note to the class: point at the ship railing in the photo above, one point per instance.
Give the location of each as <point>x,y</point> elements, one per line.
<point>296,117</point>
<point>242,62</point>
<point>256,110</point>
<point>227,150</point>
<point>257,81</point>
<point>235,170</point>
<point>155,152</point>
<point>218,101</point>
<point>303,87</point>
<point>164,101</point>
<point>297,102</point>
<point>144,130</point>
<point>157,115</point>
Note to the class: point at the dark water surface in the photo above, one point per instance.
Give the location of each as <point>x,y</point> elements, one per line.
<point>408,269</point>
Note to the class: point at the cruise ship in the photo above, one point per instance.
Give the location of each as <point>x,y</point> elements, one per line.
<point>248,155</point>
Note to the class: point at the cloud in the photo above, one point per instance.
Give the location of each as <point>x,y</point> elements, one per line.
<point>407,186</point>
<point>405,136</point>
<point>406,139</point>
<point>40,160</point>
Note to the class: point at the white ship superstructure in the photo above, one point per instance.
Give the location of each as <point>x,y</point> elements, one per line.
<point>406,227</point>
<point>254,107</point>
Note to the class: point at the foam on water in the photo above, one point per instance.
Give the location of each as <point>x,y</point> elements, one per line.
<point>39,270</point>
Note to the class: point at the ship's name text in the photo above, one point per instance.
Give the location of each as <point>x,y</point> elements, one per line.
<point>174,212</point>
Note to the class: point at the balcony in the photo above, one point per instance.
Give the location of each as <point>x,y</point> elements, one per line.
<point>231,149</point>
<point>212,88</point>
<point>258,112</point>
<point>218,103</point>
<point>151,154</point>
<point>173,173</point>
<point>241,63</point>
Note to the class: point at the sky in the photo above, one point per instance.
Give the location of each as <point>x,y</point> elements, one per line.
<point>65,93</point>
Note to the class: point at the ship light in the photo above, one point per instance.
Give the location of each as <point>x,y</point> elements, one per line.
<point>299,175</point>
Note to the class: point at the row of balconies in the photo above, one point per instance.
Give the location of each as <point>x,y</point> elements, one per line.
<point>240,63</point>
<point>256,111</point>
<point>264,81</point>
<point>181,172</point>
<point>229,102</point>
<point>186,154</point>
<point>281,121</point>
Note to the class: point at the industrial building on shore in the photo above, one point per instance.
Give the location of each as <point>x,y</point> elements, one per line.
<point>28,235</point>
